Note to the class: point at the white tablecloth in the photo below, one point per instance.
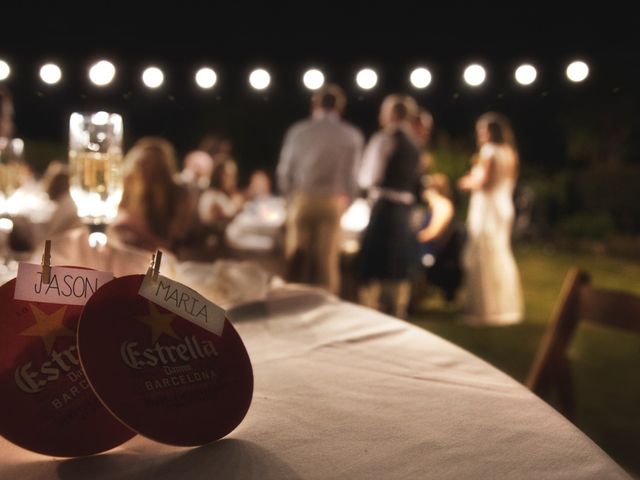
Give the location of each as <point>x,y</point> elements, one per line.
<point>342,392</point>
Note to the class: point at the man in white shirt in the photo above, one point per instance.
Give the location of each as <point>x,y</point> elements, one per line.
<point>317,172</point>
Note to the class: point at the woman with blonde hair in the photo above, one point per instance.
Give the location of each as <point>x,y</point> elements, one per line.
<point>492,283</point>
<point>156,211</point>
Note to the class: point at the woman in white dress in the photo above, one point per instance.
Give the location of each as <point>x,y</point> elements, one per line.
<point>492,284</point>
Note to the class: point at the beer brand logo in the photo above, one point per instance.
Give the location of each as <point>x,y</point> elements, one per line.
<point>190,349</point>
<point>160,324</point>
<point>33,380</point>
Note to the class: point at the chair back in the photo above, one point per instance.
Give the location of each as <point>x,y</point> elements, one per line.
<point>578,300</point>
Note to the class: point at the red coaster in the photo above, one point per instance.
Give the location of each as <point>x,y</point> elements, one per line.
<point>160,374</point>
<point>47,404</point>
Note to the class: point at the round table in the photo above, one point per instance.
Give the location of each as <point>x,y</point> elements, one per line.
<point>342,391</point>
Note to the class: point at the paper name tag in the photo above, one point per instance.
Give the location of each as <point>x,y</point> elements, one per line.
<point>183,301</point>
<point>68,286</point>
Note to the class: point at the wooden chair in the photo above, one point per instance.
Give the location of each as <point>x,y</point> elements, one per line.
<point>578,300</point>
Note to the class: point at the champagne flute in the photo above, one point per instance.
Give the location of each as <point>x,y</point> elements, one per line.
<point>95,169</point>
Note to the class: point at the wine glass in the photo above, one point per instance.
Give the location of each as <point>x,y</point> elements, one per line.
<point>95,169</point>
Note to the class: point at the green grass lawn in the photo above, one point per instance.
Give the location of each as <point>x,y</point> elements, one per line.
<point>605,363</point>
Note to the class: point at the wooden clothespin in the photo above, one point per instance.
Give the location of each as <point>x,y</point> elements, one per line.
<point>46,262</point>
<point>154,269</point>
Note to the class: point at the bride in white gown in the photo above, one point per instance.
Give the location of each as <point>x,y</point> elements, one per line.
<point>492,284</point>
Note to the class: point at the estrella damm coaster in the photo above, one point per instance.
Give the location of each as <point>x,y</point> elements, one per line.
<point>179,378</point>
<point>47,405</point>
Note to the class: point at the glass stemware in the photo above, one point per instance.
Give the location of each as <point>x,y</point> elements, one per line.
<point>95,169</point>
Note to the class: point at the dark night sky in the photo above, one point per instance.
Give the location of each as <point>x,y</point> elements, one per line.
<point>287,37</point>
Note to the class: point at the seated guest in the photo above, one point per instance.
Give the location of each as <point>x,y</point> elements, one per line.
<point>259,186</point>
<point>46,209</point>
<point>259,226</point>
<point>217,206</point>
<point>6,117</point>
<point>440,237</point>
<point>222,200</point>
<point>212,150</point>
<point>156,211</point>
<point>197,169</point>
<point>55,182</point>
<point>437,195</point>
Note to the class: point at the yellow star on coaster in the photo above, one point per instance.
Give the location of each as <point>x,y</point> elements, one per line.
<point>48,326</point>
<point>158,322</point>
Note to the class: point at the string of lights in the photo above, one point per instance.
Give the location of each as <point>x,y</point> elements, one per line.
<point>103,72</point>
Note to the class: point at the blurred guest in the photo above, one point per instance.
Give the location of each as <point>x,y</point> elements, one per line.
<point>222,200</point>
<point>156,211</point>
<point>210,143</point>
<point>440,237</point>
<point>197,169</point>
<point>390,172</point>
<point>224,152</point>
<point>198,164</point>
<point>316,171</point>
<point>218,146</point>
<point>6,116</point>
<point>437,195</point>
<point>259,186</point>
<point>433,215</point>
<point>55,182</point>
<point>492,282</point>
<point>10,169</point>
<point>423,127</point>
